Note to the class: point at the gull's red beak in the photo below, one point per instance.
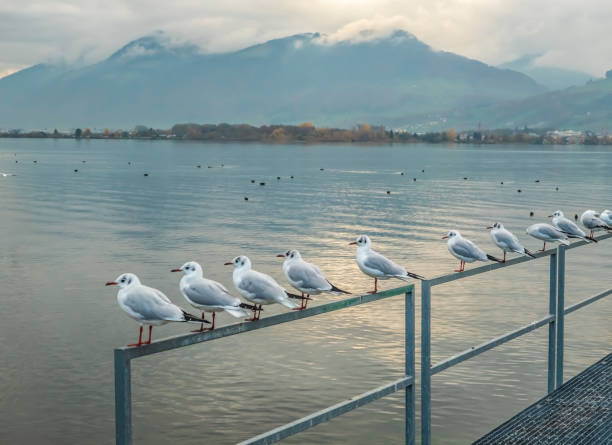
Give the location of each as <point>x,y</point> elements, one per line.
<point>111,283</point>
<point>489,227</point>
<point>229,263</point>
<point>280,255</point>
<point>445,237</point>
<point>550,216</point>
<point>354,242</point>
<point>176,270</point>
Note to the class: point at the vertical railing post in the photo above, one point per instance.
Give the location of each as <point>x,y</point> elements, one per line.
<point>425,362</point>
<point>552,310</point>
<point>409,353</point>
<point>560,313</point>
<point>123,399</point>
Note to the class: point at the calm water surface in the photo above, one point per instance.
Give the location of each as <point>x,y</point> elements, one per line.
<point>64,234</point>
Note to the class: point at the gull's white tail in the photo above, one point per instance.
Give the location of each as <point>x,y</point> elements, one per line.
<point>236,311</point>
<point>287,303</point>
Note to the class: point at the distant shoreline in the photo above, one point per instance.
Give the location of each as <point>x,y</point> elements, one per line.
<point>307,133</point>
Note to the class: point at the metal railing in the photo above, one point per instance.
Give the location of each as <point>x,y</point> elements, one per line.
<point>124,355</point>
<point>554,319</point>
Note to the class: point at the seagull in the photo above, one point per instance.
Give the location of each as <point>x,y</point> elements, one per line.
<point>147,305</point>
<point>591,220</point>
<point>465,250</point>
<point>208,295</point>
<point>258,287</point>
<point>507,241</point>
<point>547,233</point>
<point>568,227</point>
<point>377,266</point>
<point>606,216</point>
<point>306,277</point>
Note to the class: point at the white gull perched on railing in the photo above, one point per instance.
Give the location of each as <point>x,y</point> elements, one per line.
<point>147,305</point>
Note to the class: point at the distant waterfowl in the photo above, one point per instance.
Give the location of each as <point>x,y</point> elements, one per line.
<point>519,190</point>
<point>321,169</point>
<point>465,178</point>
<point>591,220</point>
<point>291,176</point>
<point>561,223</point>
<point>306,277</point>
<point>147,305</point>
<point>278,178</point>
<point>258,287</point>
<point>208,295</point>
<point>401,173</point>
<point>252,181</point>
<point>414,179</point>
<point>246,198</point>
<point>502,183</point>
<point>146,174</point>
<point>465,250</point>
<point>199,166</point>
<point>76,170</point>
<point>388,192</point>
<point>507,241</point>
<point>547,233</point>
<point>537,180</point>
<point>378,266</point>
<point>531,213</point>
<point>262,183</point>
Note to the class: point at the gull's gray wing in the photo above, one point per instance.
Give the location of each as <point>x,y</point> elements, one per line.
<point>307,276</point>
<point>209,293</point>
<point>466,248</point>
<point>378,262</point>
<point>256,284</point>
<point>565,225</point>
<point>551,232</point>
<point>509,239</point>
<point>146,303</point>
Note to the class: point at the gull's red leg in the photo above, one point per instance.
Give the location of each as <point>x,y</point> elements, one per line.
<point>139,339</point>
<point>150,329</point>
<point>504,257</point>
<point>544,247</point>
<point>201,324</point>
<point>375,286</point>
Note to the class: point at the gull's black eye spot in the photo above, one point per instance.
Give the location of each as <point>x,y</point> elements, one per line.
<point>123,280</point>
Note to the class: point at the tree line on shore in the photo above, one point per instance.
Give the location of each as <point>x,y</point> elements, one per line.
<point>309,134</point>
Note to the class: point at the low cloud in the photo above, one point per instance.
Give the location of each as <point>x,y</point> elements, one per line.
<point>568,34</point>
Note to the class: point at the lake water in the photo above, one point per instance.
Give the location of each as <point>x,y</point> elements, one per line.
<point>64,234</point>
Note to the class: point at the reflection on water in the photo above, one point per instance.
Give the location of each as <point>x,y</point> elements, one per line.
<point>65,233</point>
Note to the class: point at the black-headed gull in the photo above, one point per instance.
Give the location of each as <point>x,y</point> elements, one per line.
<point>547,233</point>
<point>507,241</point>
<point>561,223</point>
<point>465,250</point>
<point>208,295</point>
<point>606,216</point>
<point>306,277</point>
<point>591,220</point>
<point>147,305</point>
<point>258,287</point>
<point>377,266</point>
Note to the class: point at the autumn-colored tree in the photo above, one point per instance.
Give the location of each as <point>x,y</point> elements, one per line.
<point>106,132</point>
<point>86,133</point>
<point>451,134</point>
<point>306,125</point>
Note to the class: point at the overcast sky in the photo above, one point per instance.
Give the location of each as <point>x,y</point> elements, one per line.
<point>569,33</point>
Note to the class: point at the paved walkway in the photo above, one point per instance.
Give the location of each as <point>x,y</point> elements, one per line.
<point>579,412</point>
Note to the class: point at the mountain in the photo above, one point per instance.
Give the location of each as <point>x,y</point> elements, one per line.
<point>393,80</point>
<point>551,77</point>
<point>587,107</point>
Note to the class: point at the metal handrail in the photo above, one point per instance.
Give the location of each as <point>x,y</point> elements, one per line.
<point>124,355</point>
<point>554,319</point>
